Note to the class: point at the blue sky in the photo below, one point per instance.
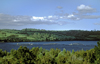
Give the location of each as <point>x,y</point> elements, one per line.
<point>50,14</point>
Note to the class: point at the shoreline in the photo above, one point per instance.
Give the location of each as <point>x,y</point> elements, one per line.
<point>49,41</point>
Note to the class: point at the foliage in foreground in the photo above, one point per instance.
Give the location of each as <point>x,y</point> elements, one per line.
<point>53,56</point>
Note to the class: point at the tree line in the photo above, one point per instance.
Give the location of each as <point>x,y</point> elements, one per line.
<point>26,35</point>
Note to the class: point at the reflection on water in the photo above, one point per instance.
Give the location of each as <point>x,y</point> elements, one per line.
<point>68,45</point>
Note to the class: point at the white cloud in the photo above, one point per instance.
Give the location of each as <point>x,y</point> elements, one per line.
<point>73,17</point>
<point>52,17</point>
<point>81,7</point>
<point>38,18</point>
<point>70,16</point>
<point>48,18</point>
<point>85,9</point>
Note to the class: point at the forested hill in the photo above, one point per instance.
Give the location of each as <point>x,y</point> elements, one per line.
<point>31,35</point>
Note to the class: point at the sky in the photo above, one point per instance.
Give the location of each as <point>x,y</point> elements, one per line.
<point>50,14</point>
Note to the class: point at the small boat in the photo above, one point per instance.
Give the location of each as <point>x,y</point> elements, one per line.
<point>76,44</point>
<point>23,44</point>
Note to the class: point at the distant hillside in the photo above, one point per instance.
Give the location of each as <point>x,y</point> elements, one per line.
<point>31,35</point>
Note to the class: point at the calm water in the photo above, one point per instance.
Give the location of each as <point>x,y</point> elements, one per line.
<point>48,45</point>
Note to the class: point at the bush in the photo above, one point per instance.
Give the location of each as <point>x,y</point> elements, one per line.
<point>97,52</point>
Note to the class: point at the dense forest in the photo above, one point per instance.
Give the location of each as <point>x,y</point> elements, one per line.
<point>31,35</point>
<point>38,55</point>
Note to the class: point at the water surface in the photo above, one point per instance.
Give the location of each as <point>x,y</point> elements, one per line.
<point>48,45</point>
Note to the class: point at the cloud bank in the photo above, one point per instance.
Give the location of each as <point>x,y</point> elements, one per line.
<point>59,18</point>
<point>6,19</point>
